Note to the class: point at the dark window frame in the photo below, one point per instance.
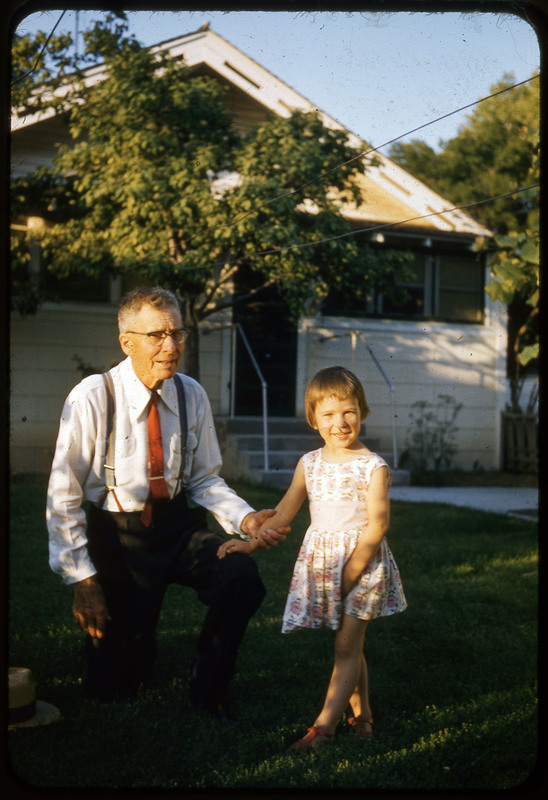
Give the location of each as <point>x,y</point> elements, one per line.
<point>427,302</point>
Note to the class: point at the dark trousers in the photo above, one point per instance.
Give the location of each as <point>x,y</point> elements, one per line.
<point>135,565</point>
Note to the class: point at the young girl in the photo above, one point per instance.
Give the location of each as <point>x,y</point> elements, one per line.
<point>345,574</point>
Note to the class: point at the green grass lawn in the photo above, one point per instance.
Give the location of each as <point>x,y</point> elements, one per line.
<point>453,678</point>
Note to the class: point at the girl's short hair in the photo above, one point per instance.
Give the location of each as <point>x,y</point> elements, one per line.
<point>133,302</point>
<point>333,382</point>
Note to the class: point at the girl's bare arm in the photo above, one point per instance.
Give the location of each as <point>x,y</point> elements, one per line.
<point>291,501</point>
<point>285,511</point>
<point>378,516</point>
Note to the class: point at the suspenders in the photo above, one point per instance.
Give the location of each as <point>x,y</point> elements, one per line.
<point>110,474</point>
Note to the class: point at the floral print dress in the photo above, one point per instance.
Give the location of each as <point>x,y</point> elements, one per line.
<point>337,495</point>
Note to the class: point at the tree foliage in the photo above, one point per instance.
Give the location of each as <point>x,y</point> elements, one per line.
<point>496,153</point>
<point>160,184</point>
<point>515,267</point>
<point>490,155</point>
<point>31,79</point>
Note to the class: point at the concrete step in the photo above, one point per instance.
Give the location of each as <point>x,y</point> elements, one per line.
<point>254,425</point>
<point>242,445</point>
<point>292,442</point>
<point>279,426</point>
<point>276,441</point>
<point>277,459</point>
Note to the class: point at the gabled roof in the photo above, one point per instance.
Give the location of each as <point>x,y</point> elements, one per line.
<point>390,193</point>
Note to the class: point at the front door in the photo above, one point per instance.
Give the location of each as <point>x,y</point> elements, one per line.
<point>272,336</point>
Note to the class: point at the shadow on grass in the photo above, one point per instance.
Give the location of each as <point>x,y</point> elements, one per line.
<point>453,679</point>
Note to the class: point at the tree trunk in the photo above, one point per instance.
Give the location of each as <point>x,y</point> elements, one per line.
<point>192,344</point>
<point>192,352</point>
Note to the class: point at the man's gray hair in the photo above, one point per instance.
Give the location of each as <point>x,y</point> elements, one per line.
<point>133,302</point>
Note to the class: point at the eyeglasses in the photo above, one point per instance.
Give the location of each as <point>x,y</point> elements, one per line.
<point>157,338</point>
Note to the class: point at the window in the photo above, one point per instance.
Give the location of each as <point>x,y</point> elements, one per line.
<point>417,300</point>
<point>460,289</point>
<point>444,286</point>
<point>80,287</point>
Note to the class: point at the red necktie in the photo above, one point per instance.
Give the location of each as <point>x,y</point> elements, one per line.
<point>158,488</point>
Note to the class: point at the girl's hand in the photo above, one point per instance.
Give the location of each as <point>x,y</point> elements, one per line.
<point>252,525</point>
<point>237,546</point>
<point>350,574</point>
<point>378,507</point>
<point>270,526</point>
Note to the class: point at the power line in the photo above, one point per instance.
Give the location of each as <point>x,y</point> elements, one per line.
<point>357,157</point>
<point>322,175</point>
<point>32,69</point>
<point>370,229</point>
<point>386,225</point>
<point>334,169</point>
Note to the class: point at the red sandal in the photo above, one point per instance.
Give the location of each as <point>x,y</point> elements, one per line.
<point>317,736</point>
<point>359,724</point>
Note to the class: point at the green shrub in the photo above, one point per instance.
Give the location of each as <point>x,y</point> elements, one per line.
<point>430,441</point>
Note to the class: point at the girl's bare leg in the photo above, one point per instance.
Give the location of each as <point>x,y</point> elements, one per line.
<point>347,675</point>
<point>359,701</point>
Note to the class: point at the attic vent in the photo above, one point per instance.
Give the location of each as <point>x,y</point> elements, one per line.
<point>237,71</point>
<point>442,215</point>
<point>394,183</point>
<point>437,210</point>
<point>286,105</point>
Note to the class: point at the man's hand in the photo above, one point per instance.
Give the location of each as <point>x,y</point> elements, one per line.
<point>251,524</point>
<point>89,607</point>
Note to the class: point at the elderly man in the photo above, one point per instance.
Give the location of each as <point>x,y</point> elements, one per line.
<point>138,444</point>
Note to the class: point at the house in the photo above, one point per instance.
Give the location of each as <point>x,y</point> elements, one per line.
<point>448,339</point>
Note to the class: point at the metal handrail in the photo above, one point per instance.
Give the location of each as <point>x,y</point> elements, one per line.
<point>238,328</point>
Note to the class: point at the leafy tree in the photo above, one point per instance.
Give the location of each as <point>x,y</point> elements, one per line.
<point>490,155</point>
<point>495,153</point>
<point>31,79</point>
<point>35,196</point>
<point>515,267</point>
<point>160,184</point>
<point>420,160</point>
<point>43,64</point>
<point>42,67</point>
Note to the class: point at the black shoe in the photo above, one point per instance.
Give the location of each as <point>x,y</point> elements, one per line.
<point>217,713</point>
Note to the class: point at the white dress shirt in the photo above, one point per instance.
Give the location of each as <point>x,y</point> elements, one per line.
<point>78,472</point>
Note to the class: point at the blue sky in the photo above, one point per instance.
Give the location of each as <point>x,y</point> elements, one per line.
<point>379,74</point>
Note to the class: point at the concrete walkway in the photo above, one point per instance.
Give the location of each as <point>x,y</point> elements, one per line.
<point>521,503</point>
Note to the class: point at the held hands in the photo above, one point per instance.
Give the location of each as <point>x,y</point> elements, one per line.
<point>237,546</point>
<point>89,607</point>
<point>252,523</point>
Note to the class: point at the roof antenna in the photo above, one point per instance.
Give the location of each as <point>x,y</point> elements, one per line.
<point>76,20</point>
